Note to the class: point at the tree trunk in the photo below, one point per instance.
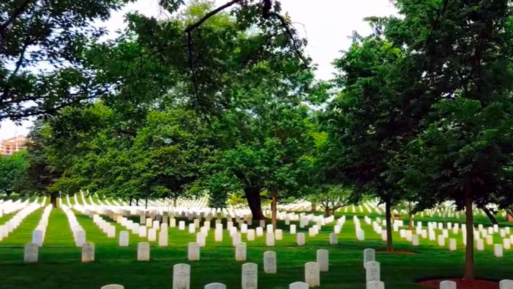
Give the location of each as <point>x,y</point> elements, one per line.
<point>146,203</point>
<point>326,212</point>
<point>274,209</point>
<point>509,215</point>
<point>137,202</point>
<point>388,216</point>
<point>53,200</point>
<point>254,203</point>
<point>490,215</point>
<point>314,207</point>
<point>469,251</point>
<point>175,202</point>
<point>130,201</point>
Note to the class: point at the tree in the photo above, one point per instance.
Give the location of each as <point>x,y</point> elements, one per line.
<point>42,46</point>
<point>331,198</point>
<point>463,153</point>
<point>366,124</point>
<point>39,177</point>
<point>12,170</point>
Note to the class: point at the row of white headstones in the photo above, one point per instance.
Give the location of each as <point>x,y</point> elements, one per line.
<point>22,209</point>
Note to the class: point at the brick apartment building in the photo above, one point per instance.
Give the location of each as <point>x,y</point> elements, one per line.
<point>12,145</point>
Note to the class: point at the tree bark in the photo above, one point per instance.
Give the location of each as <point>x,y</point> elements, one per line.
<point>326,212</point>
<point>254,203</point>
<point>146,203</point>
<point>388,216</point>
<point>490,215</point>
<point>175,202</point>
<point>137,202</point>
<point>314,207</point>
<point>53,200</point>
<point>274,209</point>
<point>469,251</point>
<point>130,203</point>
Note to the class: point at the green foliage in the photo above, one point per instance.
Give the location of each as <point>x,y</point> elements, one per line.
<point>42,45</point>
<point>12,171</point>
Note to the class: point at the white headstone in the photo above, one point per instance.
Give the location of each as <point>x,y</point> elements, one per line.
<point>452,244</point>
<point>218,235</point>
<point>298,285</point>
<point>88,252</point>
<point>448,285</point>
<point>300,237</point>
<point>124,239</point>
<point>369,255</point>
<point>323,260</point>
<point>80,238</point>
<point>250,276</point>
<point>31,253</point>
<point>142,231</point>
<point>497,250</point>
<point>181,276</point>
<point>270,262</point>
<point>113,286</point>
<point>375,285</point>
<point>163,238</point>
<point>259,232</point>
<point>278,234</point>
<point>152,234</point>
<point>269,239</point>
<point>181,225</point>
<point>215,286</point>
<point>193,253</point>
<point>143,251</point>
<point>506,284</point>
<point>333,239</point>
<point>37,237</point>
<point>251,235</point>
<point>372,271</point>
<point>312,274</point>
<point>240,251</point>
<point>293,231</point>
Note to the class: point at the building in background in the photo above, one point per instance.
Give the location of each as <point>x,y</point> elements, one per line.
<point>12,145</point>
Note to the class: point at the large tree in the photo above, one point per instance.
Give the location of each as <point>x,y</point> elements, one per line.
<point>371,120</point>
<point>464,50</point>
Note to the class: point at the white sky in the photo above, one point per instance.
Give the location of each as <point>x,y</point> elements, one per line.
<point>327,23</point>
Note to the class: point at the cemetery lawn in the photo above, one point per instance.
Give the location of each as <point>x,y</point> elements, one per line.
<point>60,267</point>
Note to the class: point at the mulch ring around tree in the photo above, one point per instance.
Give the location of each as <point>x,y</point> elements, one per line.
<point>396,252</point>
<point>462,284</point>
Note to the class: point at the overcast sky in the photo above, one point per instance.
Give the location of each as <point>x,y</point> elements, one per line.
<point>327,24</point>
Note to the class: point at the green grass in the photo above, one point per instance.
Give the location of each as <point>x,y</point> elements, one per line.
<point>60,267</point>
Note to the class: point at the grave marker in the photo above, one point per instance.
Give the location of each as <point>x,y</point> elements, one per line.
<point>240,251</point>
<point>323,260</point>
<point>193,253</point>
<point>143,251</point>
<point>250,276</point>
<point>298,285</point>
<point>181,276</point>
<point>448,285</point>
<point>31,253</point>
<point>88,252</point>
<point>372,271</point>
<point>270,262</point>
<point>312,274</point>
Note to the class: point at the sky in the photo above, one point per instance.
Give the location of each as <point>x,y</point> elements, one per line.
<point>327,25</point>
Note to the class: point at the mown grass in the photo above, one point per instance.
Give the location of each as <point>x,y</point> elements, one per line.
<point>60,265</point>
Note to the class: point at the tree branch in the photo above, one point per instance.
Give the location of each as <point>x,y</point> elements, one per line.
<point>210,14</point>
<point>13,17</point>
<point>285,25</point>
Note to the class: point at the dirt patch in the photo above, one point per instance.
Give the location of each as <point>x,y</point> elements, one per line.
<point>397,252</point>
<point>462,284</point>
